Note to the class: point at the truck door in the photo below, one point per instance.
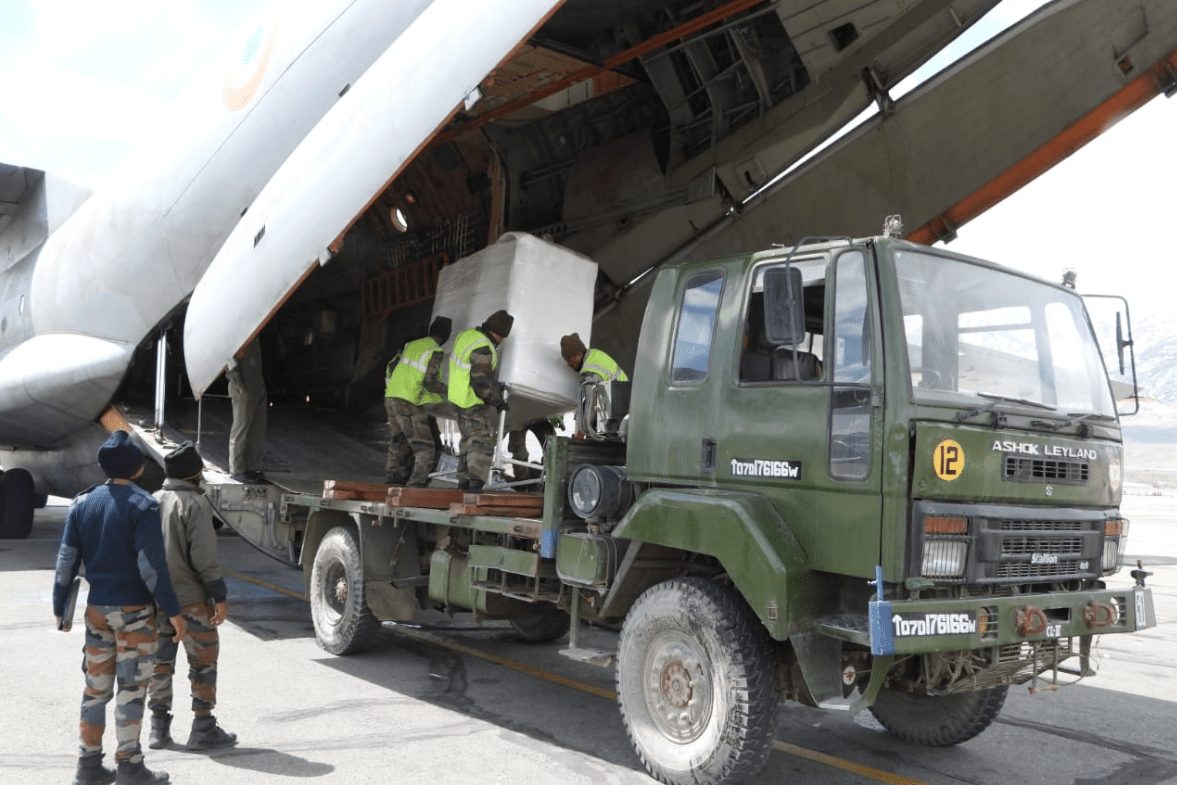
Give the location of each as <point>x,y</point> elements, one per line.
<point>801,423</point>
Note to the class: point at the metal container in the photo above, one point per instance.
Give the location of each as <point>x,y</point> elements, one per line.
<point>549,291</point>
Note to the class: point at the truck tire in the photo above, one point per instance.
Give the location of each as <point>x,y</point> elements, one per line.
<point>937,720</point>
<point>343,622</point>
<point>696,684</point>
<point>546,625</point>
<point>16,504</point>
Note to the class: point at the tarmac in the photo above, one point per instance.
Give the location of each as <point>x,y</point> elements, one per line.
<point>460,703</point>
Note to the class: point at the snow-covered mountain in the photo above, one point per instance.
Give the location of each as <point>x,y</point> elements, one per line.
<point>1150,437</point>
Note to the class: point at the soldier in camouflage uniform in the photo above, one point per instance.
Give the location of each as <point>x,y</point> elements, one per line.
<point>413,394</point>
<point>191,546</point>
<point>247,434</point>
<point>114,530</point>
<point>475,395</point>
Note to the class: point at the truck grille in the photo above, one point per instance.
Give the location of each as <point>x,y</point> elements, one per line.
<point>1013,546</point>
<point>1064,569</point>
<point>1022,469</point>
<point>1012,550</point>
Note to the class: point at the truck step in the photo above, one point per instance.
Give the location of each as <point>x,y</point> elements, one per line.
<point>599,657</point>
<point>852,627</point>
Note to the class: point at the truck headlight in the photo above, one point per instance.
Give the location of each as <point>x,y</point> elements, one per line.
<point>946,546</point>
<point>1115,539</point>
<point>945,558</point>
<point>599,493</point>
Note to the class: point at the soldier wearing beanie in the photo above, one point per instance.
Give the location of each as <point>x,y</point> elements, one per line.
<point>475,395</point>
<point>114,529</point>
<point>413,394</point>
<point>191,545</point>
<point>590,362</point>
<point>593,366</point>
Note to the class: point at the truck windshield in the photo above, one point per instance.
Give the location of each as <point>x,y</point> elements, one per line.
<point>975,333</point>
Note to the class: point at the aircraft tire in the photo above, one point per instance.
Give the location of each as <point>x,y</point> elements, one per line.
<point>937,720</point>
<point>696,684</point>
<point>343,622</point>
<point>16,504</point>
<point>546,625</point>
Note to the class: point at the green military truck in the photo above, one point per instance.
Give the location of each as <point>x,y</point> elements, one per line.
<point>855,474</point>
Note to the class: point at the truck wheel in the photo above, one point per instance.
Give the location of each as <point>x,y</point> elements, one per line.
<point>695,684</point>
<point>16,504</point>
<point>937,720</point>
<point>546,625</point>
<point>343,622</point>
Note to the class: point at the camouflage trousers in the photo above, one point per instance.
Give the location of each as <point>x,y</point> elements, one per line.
<point>412,445</point>
<point>517,446</point>
<point>202,645</point>
<point>479,428</point>
<point>120,645</point>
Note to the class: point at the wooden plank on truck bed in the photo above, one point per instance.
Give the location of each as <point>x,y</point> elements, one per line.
<point>433,498</point>
<point>479,509</point>
<point>352,490</point>
<point>504,500</point>
<point>342,495</point>
<point>356,486</point>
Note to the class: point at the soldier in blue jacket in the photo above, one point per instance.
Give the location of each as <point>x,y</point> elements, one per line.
<point>114,529</point>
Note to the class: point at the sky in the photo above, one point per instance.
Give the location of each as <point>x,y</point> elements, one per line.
<point>82,79</point>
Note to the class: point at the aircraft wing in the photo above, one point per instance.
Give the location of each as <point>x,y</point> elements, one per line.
<point>359,146</point>
<point>32,205</point>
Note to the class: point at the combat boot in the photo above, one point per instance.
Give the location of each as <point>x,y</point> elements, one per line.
<point>138,774</point>
<point>161,726</point>
<point>208,735</point>
<point>92,772</point>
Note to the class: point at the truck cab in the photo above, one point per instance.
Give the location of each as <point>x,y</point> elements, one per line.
<point>904,462</point>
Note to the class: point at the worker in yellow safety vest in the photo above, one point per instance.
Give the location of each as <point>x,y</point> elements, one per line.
<point>590,362</point>
<point>413,394</point>
<point>475,395</point>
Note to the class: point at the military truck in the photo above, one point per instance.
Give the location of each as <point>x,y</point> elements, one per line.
<point>856,474</point>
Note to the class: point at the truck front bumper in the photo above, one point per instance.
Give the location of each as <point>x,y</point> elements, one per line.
<point>922,626</point>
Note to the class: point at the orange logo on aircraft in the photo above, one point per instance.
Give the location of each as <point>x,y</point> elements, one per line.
<point>242,81</point>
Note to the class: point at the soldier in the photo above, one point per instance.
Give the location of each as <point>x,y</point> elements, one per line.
<point>590,362</point>
<point>475,395</point>
<point>247,435</point>
<point>114,529</point>
<point>413,393</point>
<point>543,430</point>
<point>191,546</point>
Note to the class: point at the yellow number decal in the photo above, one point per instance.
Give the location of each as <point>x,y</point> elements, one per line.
<point>948,460</point>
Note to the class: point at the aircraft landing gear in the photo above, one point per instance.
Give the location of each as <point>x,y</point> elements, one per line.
<point>17,499</point>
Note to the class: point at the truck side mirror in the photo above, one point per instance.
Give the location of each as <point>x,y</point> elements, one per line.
<point>784,306</point>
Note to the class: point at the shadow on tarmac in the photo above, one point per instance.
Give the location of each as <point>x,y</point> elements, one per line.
<point>545,712</point>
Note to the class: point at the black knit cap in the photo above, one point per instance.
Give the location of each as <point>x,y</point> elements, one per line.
<point>183,463</point>
<point>441,328</point>
<point>119,457</point>
<point>571,346</point>
<point>499,323</point>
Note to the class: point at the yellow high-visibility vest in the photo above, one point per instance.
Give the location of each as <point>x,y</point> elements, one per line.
<point>407,380</point>
<point>600,364</point>
<point>459,392</point>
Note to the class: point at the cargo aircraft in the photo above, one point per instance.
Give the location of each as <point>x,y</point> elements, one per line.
<point>307,190</point>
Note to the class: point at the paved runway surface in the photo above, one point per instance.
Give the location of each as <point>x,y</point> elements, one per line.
<point>456,704</point>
